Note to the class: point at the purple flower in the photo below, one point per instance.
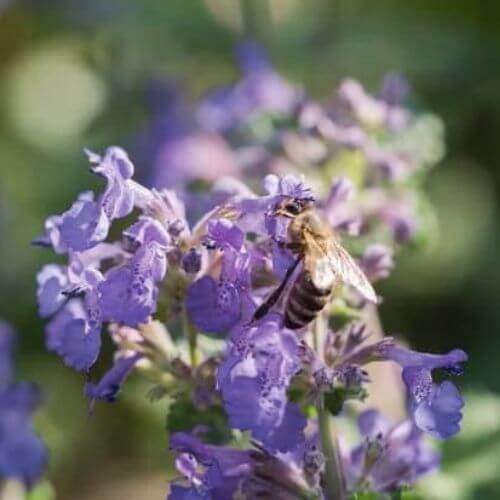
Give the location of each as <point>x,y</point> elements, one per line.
<point>391,456</point>
<point>178,153</point>
<point>436,408</point>
<point>254,378</point>
<point>395,89</point>
<point>192,261</point>
<point>279,188</point>
<point>70,335</point>
<point>129,293</point>
<point>117,200</point>
<point>71,296</point>
<point>84,225</point>
<point>314,118</point>
<point>283,259</point>
<point>214,307</point>
<point>7,341</point>
<point>222,232</point>
<point>377,262</point>
<point>196,156</point>
<point>108,387</point>
<point>263,88</point>
<point>75,329</point>
<point>51,236</point>
<point>365,108</point>
<point>210,471</point>
<point>260,90</point>
<point>400,216</point>
<point>217,472</point>
<point>87,222</point>
<point>23,455</point>
<point>338,207</point>
<point>217,111</point>
<point>288,185</point>
<point>341,191</point>
<point>255,212</point>
<point>147,229</point>
<point>52,282</point>
<point>392,165</point>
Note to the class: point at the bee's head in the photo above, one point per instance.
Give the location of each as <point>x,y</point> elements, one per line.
<point>291,207</point>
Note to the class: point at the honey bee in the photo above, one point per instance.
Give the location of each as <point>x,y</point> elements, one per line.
<point>324,264</point>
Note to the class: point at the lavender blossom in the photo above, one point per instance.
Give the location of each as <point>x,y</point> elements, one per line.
<point>178,153</point>
<point>391,456</point>
<point>395,89</point>
<point>436,409</point>
<point>128,293</point>
<point>210,472</point>
<point>192,261</point>
<point>222,472</point>
<point>70,335</point>
<point>253,379</point>
<point>69,295</point>
<point>82,226</point>
<point>260,90</point>
<point>88,220</point>
<point>52,282</point>
<point>213,307</point>
<point>108,387</point>
<point>23,455</point>
<point>377,262</point>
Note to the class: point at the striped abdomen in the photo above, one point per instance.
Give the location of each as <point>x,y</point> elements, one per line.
<point>304,302</point>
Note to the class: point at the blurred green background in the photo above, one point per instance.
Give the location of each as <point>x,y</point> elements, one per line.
<point>73,73</point>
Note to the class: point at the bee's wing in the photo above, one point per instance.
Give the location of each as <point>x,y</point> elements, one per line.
<point>342,266</point>
<point>349,272</point>
<point>317,265</point>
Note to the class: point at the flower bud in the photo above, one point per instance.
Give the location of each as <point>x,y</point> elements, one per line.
<point>191,261</point>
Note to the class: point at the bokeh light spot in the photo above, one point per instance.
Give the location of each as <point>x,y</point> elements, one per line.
<point>52,96</point>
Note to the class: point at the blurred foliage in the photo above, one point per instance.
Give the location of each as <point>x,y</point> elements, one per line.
<point>73,73</point>
<point>183,416</point>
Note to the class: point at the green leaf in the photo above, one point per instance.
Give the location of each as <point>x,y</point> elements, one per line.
<point>341,315</point>
<point>43,491</point>
<point>409,495</point>
<point>397,495</point>
<point>157,393</point>
<point>334,400</point>
<point>184,416</point>
<point>367,495</point>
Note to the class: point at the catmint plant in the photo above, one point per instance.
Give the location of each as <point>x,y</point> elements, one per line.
<point>252,404</point>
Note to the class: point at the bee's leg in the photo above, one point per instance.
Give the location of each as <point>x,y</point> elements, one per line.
<point>264,308</point>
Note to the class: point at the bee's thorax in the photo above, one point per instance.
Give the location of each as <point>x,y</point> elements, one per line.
<point>308,222</point>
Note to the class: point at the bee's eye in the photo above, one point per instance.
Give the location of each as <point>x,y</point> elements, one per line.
<point>293,207</point>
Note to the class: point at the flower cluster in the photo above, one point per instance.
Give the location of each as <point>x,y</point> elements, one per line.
<point>263,124</point>
<point>390,457</point>
<point>194,287</point>
<point>23,455</point>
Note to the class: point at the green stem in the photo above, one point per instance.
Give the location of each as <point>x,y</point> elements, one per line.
<point>256,18</point>
<point>190,333</point>
<point>333,477</point>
